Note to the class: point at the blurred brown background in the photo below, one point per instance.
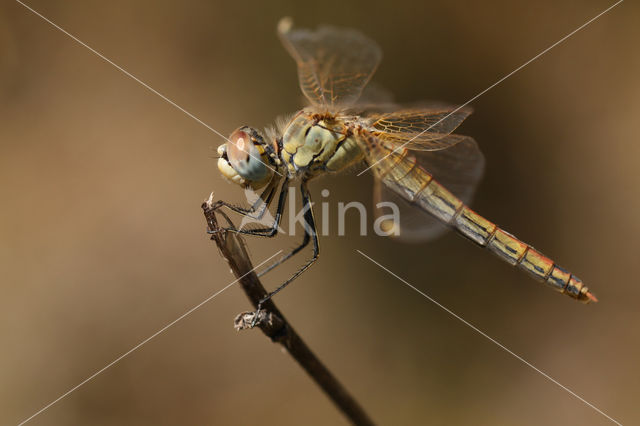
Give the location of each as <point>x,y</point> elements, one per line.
<point>102,239</point>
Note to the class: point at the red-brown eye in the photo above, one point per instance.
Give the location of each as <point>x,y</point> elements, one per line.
<point>245,157</point>
<point>239,147</point>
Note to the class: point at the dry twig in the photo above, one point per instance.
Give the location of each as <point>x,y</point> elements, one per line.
<point>274,324</point>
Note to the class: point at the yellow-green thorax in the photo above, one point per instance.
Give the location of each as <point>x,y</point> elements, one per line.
<point>316,143</point>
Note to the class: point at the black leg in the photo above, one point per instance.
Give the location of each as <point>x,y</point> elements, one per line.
<point>271,230</point>
<point>303,244</point>
<point>260,205</point>
<point>310,233</point>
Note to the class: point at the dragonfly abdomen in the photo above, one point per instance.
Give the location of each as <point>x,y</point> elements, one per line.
<point>407,178</point>
<point>519,254</point>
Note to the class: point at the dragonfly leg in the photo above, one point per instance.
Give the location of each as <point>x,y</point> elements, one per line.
<point>310,234</point>
<point>269,231</point>
<point>286,257</point>
<point>303,244</point>
<point>258,208</point>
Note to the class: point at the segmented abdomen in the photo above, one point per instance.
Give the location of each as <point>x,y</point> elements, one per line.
<point>400,172</point>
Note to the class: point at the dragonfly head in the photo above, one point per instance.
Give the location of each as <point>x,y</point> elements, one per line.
<point>244,159</point>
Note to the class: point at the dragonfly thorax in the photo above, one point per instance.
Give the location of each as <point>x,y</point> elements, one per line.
<point>315,143</point>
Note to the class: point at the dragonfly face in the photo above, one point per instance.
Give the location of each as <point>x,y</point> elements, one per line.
<point>419,164</point>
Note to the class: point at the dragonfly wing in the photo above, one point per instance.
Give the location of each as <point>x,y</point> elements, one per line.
<point>424,129</point>
<point>375,99</point>
<point>458,168</point>
<point>414,224</point>
<point>401,174</point>
<point>334,64</point>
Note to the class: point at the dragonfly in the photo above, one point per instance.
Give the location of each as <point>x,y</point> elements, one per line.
<point>418,163</point>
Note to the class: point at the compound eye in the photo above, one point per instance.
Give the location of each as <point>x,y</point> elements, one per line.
<point>245,157</point>
<point>239,147</point>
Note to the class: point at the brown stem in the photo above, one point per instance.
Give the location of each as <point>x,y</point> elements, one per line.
<point>274,324</point>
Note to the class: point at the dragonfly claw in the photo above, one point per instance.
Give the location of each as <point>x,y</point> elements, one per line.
<point>256,316</point>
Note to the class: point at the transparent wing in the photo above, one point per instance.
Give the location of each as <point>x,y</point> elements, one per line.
<point>414,225</point>
<point>334,64</point>
<point>458,168</point>
<point>373,100</point>
<point>419,129</point>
